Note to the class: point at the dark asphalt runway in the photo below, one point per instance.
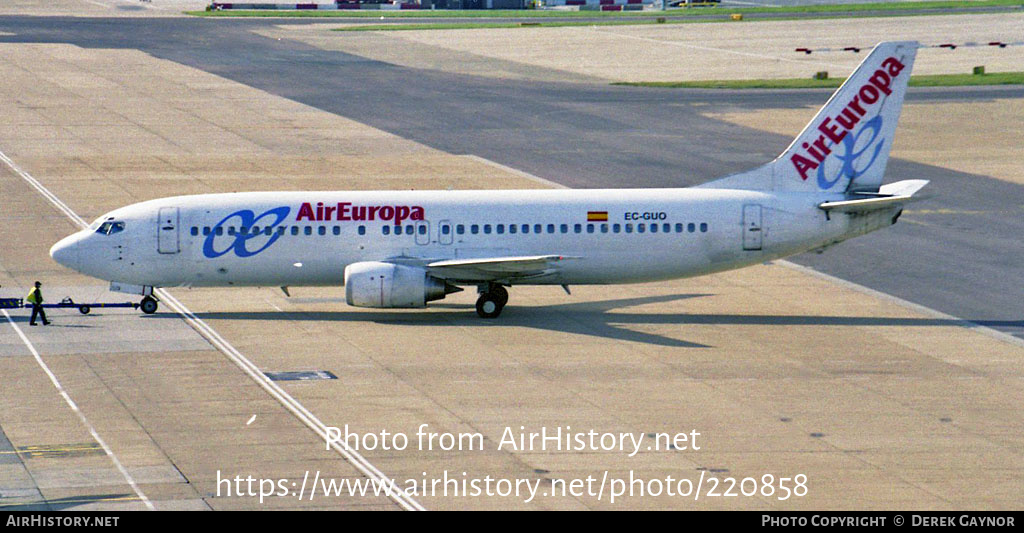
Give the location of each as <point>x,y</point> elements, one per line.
<point>958,252</point>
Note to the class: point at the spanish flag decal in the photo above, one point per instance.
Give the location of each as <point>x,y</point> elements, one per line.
<point>597,216</point>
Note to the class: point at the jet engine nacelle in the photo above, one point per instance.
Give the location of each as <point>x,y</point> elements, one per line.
<point>384,285</point>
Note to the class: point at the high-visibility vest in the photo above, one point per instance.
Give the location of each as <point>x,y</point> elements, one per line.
<point>34,297</point>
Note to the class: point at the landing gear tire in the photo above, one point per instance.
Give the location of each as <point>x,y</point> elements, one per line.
<point>500,292</point>
<point>148,305</point>
<point>489,305</point>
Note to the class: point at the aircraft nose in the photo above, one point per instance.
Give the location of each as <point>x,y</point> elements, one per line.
<point>66,252</point>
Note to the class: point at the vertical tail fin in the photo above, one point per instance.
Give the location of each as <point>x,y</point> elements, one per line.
<point>846,145</point>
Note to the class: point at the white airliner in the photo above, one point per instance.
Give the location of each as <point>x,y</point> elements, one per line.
<point>396,249</point>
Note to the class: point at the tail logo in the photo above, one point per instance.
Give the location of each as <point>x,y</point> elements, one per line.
<point>852,154</point>
<point>836,129</point>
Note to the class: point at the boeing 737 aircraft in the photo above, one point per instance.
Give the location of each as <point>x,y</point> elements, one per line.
<point>397,249</point>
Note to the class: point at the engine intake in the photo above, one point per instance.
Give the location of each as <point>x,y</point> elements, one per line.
<point>387,285</point>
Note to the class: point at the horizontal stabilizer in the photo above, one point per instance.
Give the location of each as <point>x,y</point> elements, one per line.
<point>903,188</point>
<point>889,195</point>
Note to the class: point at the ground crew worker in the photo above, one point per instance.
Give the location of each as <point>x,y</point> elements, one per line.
<point>35,297</point>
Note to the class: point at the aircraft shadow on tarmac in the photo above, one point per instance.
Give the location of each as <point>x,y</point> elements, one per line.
<point>54,322</point>
<point>63,504</point>
<point>593,318</point>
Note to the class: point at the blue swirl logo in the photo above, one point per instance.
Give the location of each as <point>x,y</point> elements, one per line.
<point>247,219</point>
<point>849,158</point>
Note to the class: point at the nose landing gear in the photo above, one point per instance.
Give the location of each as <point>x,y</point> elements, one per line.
<point>493,298</point>
<point>148,305</point>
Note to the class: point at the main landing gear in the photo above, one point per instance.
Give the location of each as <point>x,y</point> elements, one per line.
<point>493,298</point>
<point>148,305</point>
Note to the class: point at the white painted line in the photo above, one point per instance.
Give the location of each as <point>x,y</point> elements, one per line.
<point>304,415</point>
<point>81,416</point>
<point>251,420</point>
<point>973,326</point>
<point>515,171</point>
<point>101,4</point>
<point>354,458</point>
<point>79,221</point>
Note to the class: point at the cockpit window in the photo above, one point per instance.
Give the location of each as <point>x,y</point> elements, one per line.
<point>110,227</point>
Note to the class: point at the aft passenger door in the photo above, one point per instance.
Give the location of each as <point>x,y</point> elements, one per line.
<point>752,227</point>
<point>167,230</point>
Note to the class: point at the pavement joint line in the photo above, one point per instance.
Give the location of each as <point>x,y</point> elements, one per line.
<point>315,424</point>
<point>711,49</point>
<point>74,407</point>
<point>392,490</point>
<point>300,412</point>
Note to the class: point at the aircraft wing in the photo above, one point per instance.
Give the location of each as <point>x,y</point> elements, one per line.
<point>496,268</point>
